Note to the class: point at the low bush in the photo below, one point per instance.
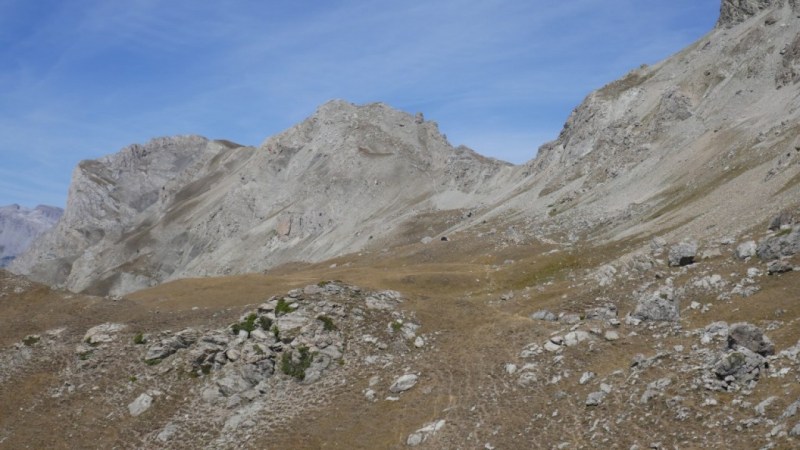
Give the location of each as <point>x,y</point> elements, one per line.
<point>296,369</point>
<point>327,323</point>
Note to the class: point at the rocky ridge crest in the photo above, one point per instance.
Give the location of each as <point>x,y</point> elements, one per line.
<point>187,206</point>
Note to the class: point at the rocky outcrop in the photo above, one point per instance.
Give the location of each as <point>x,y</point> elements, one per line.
<point>785,243</point>
<point>733,12</point>
<point>20,226</point>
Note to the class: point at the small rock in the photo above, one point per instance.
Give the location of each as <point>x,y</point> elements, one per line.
<point>779,266</point>
<point>530,350</point>
<point>761,408</point>
<point>611,335</point>
<point>140,405</point>
<point>552,347</point>
<point>595,398</point>
<point>167,433</point>
<point>527,378</point>
<point>544,315</point>
<point>569,318</point>
<point>422,435</point>
<point>403,383</point>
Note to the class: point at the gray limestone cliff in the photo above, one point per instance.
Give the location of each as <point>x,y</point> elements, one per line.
<point>187,206</point>
<point>705,140</point>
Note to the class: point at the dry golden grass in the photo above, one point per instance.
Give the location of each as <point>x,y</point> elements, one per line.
<point>453,288</point>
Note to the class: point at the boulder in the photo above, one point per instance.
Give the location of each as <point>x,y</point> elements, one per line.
<point>783,244</point>
<point>784,219</point>
<point>658,306</point>
<point>102,334</point>
<point>746,249</point>
<point>574,338</point>
<point>751,337</point>
<point>779,266</point>
<point>233,380</point>
<point>683,254</point>
<point>164,348</point>
<point>742,364</point>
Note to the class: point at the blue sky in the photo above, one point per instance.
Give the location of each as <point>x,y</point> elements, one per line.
<point>83,78</point>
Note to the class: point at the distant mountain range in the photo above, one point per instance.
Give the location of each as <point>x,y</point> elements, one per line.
<point>19,226</point>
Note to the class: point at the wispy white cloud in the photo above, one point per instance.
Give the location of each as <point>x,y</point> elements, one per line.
<point>90,76</point>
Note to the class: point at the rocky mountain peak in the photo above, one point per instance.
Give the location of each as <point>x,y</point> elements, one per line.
<point>733,12</point>
<point>187,206</point>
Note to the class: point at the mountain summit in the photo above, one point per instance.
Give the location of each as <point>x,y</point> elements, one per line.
<point>188,206</point>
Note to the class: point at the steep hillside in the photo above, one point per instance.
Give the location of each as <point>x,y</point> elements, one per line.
<point>20,226</point>
<point>187,206</point>
<point>703,143</point>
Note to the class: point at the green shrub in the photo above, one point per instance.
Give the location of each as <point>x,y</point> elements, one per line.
<point>783,232</point>
<point>327,323</point>
<point>276,332</point>
<point>152,362</point>
<point>139,339</point>
<point>397,326</point>
<point>322,284</point>
<point>249,324</point>
<point>296,369</point>
<point>266,323</point>
<point>282,307</point>
<point>30,340</point>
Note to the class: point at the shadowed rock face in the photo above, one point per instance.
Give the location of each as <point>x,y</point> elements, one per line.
<point>20,226</point>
